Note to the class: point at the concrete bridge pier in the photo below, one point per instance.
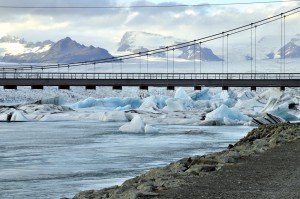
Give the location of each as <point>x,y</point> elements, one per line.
<point>37,87</point>
<point>143,87</point>
<point>225,88</point>
<point>90,87</point>
<point>64,87</point>
<point>10,87</point>
<point>197,88</point>
<point>282,88</point>
<point>170,88</point>
<point>117,87</point>
<point>253,88</point>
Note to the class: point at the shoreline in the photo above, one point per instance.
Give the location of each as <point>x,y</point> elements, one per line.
<point>167,182</point>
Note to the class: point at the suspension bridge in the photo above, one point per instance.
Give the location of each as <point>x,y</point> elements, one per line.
<point>39,75</point>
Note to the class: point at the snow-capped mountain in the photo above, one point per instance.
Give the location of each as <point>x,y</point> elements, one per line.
<point>15,46</point>
<point>289,50</point>
<point>13,49</point>
<point>191,53</point>
<point>142,41</point>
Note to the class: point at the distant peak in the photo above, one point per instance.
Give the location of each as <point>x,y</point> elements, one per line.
<point>66,39</point>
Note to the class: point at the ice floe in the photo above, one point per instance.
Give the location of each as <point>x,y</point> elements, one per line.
<point>136,125</point>
<point>113,116</point>
<point>226,115</point>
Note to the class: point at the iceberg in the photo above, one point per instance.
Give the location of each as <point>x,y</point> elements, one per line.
<point>251,107</point>
<point>283,112</point>
<point>150,129</point>
<point>136,125</point>
<point>181,94</point>
<point>226,115</point>
<point>124,108</point>
<point>113,116</point>
<point>185,99</point>
<point>108,103</point>
<point>55,101</point>
<point>18,116</point>
<point>174,105</point>
<point>149,104</point>
<point>202,95</point>
<point>246,95</point>
<point>3,117</point>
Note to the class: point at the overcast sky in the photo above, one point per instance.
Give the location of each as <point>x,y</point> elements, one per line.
<point>105,27</point>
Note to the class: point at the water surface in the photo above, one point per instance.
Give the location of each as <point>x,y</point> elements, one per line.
<point>56,159</point>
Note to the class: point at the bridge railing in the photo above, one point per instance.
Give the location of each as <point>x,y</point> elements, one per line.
<point>239,76</point>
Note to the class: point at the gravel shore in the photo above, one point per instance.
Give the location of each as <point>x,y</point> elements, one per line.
<point>264,164</point>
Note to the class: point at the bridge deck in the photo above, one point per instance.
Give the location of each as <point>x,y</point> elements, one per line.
<point>151,79</point>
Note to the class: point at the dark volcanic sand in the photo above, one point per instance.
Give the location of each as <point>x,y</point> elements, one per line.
<point>273,174</point>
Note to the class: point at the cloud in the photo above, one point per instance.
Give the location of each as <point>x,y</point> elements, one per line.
<point>105,27</point>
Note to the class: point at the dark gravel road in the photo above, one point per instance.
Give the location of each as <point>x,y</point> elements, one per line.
<point>273,174</point>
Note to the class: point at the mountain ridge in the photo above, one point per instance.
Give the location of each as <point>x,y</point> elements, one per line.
<point>63,51</point>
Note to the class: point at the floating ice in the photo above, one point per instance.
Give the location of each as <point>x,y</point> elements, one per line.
<point>250,107</point>
<point>18,116</point>
<point>124,108</point>
<point>113,116</point>
<point>3,117</point>
<point>181,94</point>
<point>283,112</point>
<point>174,105</point>
<point>228,97</point>
<point>272,92</point>
<point>225,114</point>
<point>136,125</point>
<point>108,103</point>
<point>54,100</point>
<point>202,95</point>
<point>149,104</point>
<point>185,99</point>
<point>246,95</point>
<point>150,129</point>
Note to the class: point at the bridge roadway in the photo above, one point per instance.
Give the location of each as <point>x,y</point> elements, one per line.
<point>10,80</point>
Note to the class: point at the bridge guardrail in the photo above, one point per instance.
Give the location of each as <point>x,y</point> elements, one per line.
<point>238,76</point>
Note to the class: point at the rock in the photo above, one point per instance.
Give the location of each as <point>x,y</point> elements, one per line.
<point>146,187</point>
<point>197,169</point>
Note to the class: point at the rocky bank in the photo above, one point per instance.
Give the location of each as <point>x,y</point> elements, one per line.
<point>155,182</point>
